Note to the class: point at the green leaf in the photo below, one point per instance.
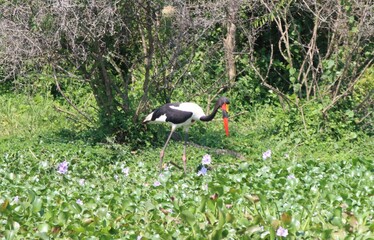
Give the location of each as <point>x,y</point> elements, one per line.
<point>149,206</point>
<point>62,218</point>
<point>254,229</point>
<point>217,234</point>
<point>10,234</point>
<point>296,87</point>
<point>292,71</point>
<point>221,219</point>
<point>211,205</point>
<point>350,113</point>
<point>330,63</point>
<point>202,205</point>
<point>43,227</point>
<point>230,218</point>
<point>337,221</point>
<point>76,208</point>
<point>352,135</point>
<point>210,218</point>
<point>78,228</point>
<point>188,217</point>
<point>36,204</point>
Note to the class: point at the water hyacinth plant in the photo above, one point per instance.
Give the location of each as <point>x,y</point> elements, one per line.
<point>82,182</point>
<point>266,154</point>
<point>291,176</point>
<point>203,171</point>
<point>156,184</point>
<point>206,206</point>
<point>63,167</point>
<point>207,159</point>
<point>282,232</point>
<point>126,171</point>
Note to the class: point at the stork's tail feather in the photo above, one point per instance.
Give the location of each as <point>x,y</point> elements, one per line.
<point>148,118</point>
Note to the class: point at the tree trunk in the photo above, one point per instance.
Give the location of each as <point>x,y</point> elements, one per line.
<point>148,49</point>
<point>229,41</point>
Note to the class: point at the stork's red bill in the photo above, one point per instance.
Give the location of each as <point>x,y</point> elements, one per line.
<point>225,115</point>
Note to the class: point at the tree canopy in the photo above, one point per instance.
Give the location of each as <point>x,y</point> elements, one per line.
<point>136,54</point>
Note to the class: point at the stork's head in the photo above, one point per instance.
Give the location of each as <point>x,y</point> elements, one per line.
<point>224,102</point>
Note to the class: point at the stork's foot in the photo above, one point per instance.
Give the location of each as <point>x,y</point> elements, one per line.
<point>184,158</point>
<point>161,158</point>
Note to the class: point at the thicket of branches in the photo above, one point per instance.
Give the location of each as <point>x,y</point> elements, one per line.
<point>134,53</point>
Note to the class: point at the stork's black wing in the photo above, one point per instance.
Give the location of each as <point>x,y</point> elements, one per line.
<point>172,115</point>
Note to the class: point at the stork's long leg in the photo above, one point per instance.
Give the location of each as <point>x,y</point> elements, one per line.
<point>184,158</point>
<point>163,149</point>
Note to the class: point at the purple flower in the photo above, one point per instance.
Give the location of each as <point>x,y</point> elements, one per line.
<point>16,199</point>
<point>282,232</point>
<point>79,202</point>
<point>203,171</point>
<point>126,171</point>
<point>156,184</point>
<point>206,159</point>
<point>266,154</point>
<point>81,182</point>
<point>291,176</point>
<point>116,177</point>
<point>63,167</point>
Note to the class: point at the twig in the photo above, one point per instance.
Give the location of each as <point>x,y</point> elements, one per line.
<point>64,111</point>
<point>363,118</point>
<point>347,91</point>
<point>176,165</point>
<point>219,151</point>
<point>368,97</point>
<point>33,154</point>
<point>72,115</point>
<point>263,79</point>
<point>69,101</point>
<point>238,114</point>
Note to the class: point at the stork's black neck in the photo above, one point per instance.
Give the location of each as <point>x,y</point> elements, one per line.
<point>210,117</point>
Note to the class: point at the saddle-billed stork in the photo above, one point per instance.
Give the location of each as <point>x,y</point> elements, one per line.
<point>183,115</point>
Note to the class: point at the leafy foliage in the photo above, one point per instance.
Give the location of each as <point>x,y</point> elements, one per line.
<point>252,198</point>
<point>55,185</point>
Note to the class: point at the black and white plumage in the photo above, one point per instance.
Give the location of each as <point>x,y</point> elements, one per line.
<point>184,115</point>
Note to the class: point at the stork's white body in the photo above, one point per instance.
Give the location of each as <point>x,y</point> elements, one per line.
<point>187,107</point>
